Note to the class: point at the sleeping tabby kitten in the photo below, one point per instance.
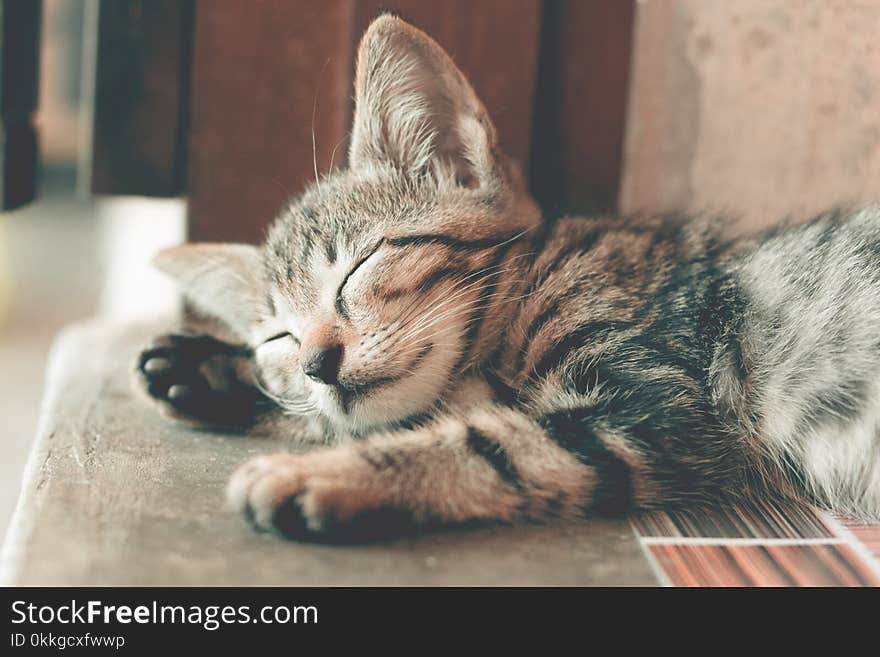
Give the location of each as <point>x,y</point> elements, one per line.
<point>457,360</point>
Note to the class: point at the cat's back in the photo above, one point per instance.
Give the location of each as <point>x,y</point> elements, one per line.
<point>807,376</point>
<point>598,284</point>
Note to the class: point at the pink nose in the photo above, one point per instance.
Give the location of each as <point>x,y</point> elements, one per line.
<point>321,353</point>
<point>322,363</point>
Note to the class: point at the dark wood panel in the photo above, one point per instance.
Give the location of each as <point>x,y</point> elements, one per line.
<point>581,103</point>
<point>495,43</point>
<point>267,76</point>
<point>19,67</point>
<point>141,94</point>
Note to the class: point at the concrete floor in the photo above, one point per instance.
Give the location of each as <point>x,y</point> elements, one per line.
<point>117,496</point>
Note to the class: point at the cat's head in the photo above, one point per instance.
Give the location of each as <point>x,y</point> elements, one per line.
<point>381,282</point>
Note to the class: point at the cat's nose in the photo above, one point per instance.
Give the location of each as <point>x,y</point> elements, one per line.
<point>321,363</point>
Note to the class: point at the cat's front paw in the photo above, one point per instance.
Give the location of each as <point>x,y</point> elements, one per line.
<point>196,378</point>
<point>327,497</point>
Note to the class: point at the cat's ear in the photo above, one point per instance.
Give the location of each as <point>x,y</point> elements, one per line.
<point>415,109</point>
<point>222,281</point>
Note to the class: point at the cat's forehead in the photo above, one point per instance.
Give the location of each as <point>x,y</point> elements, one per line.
<point>346,212</point>
<point>340,219</point>
<point>345,208</point>
<point>335,221</point>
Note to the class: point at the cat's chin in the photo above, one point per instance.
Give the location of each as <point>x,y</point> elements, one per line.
<point>361,414</point>
<point>393,398</point>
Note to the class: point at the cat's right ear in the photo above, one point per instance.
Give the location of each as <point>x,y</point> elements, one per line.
<point>221,281</point>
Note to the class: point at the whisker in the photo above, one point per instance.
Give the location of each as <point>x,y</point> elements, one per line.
<point>435,310</point>
<point>422,335</point>
<point>458,293</point>
<point>314,113</point>
<point>338,144</point>
<point>298,406</point>
<point>501,268</point>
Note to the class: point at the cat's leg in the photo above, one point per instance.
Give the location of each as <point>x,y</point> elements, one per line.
<point>491,464</point>
<point>199,379</point>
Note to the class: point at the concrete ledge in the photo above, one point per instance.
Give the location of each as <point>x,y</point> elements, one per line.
<point>115,495</point>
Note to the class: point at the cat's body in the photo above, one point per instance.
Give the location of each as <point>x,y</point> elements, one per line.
<point>459,360</point>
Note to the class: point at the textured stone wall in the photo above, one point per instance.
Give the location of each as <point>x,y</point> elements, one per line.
<point>755,108</point>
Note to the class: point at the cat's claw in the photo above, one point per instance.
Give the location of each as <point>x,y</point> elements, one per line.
<point>303,499</point>
<point>195,378</point>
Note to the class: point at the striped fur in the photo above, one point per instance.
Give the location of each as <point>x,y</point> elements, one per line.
<point>490,366</point>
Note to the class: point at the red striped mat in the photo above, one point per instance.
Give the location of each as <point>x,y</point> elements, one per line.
<point>762,543</point>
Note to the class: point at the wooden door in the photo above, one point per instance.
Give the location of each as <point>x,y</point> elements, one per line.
<point>756,109</point>
<point>240,104</point>
<point>19,67</point>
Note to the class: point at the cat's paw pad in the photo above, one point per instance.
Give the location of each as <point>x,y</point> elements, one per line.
<point>301,499</point>
<point>195,377</point>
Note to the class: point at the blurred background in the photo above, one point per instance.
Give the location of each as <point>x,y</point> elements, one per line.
<point>68,255</point>
<point>128,125</point>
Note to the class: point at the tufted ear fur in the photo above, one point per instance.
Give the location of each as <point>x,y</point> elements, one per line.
<point>222,281</point>
<point>416,111</point>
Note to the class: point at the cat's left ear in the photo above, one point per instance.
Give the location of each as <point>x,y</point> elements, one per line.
<point>222,281</point>
<point>415,110</point>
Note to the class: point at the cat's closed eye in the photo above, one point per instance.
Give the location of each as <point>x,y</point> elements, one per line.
<point>280,336</point>
<point>340,303</point>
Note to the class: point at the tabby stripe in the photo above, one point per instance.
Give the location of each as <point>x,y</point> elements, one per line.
<point>494,455</point>
<point>476,320</point>
<point>452,242</point>
<point>415,421</point>
<point>503,393</point>
<point>423,353</point>
<point>438,275</point>
<point>665,354</point>
<point>570,430</point>
<point>536,325</point>
<point>562,258</point>
<point>308,246</point>
<point>379,459</point>
<point>576,338</point>
<point>427,282</point>
<point>539,321</point>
